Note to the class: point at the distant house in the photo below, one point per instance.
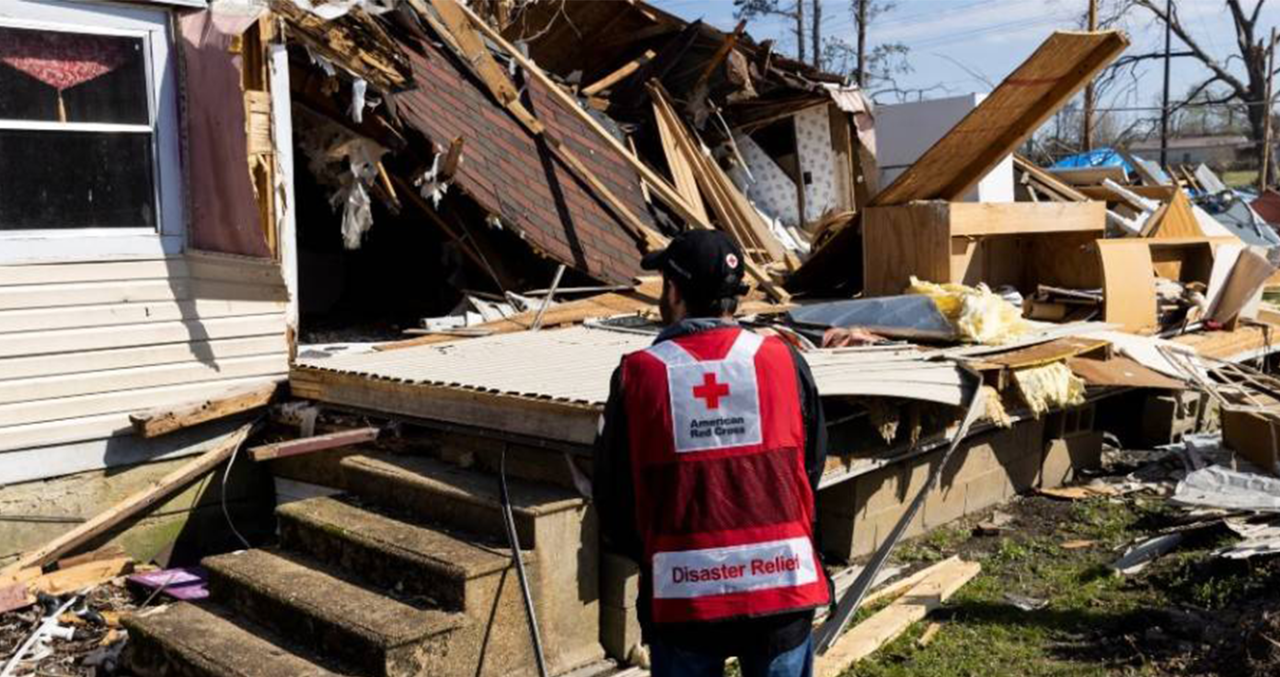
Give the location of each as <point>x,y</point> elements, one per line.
<point>1193,150</point>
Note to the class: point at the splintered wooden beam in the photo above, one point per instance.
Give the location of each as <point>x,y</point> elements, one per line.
<point>307,445</point>
<point>157,422</point>
<point>137,502</point>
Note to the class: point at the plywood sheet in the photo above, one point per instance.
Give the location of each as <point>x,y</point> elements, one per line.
<point>1129,284</point>
<point>901,241</point>
<point>1017,107</point>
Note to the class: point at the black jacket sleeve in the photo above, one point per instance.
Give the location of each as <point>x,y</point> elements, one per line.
<point>612,487</point>
<point>815,423</point>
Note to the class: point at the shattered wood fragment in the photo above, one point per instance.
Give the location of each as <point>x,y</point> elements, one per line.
<point>356,42</point>
<point>134,504</point>
<point>158,422</point>
<point>620,74</point>
<point>309,445</point>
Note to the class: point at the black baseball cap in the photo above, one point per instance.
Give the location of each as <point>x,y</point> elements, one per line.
<point>705,264</point>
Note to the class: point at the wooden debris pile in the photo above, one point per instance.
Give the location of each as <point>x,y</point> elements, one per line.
<point>434,112</point>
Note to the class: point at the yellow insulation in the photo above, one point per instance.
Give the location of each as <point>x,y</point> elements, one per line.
<point>1050,386</point>
<point>977,314</point>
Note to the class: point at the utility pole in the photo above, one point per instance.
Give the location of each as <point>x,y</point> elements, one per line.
<point>862,43</point>
<point>1086,140</point>
<point>817,34</point>
<point>1164,108</point>
<point>800,30</point>
<point>1264,173</point>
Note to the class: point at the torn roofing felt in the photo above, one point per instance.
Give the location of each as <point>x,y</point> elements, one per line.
<point>512,174</point>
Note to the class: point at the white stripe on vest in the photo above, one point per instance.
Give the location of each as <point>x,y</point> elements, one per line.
<point>739,568</point>
<point>714,404</point>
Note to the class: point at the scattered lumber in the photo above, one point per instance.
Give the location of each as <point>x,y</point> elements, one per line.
<point>664,190</point>
<point>157,422</point>
<point>731,208</point>
<point>864,639</point>
<point>133,505</point>
<point>307,445</point>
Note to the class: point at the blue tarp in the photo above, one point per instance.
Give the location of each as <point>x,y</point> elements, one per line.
<point>1102,157</point>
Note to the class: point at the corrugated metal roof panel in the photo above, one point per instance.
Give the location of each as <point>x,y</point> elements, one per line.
<point>575,365</point>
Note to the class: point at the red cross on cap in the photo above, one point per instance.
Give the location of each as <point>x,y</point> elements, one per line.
<point>711,390</point>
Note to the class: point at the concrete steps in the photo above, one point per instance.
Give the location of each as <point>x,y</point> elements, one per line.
<point>390,552</point>
<point>446,494</point>
<point>408,575</point>
<point>304,599</point>
<point>186,640</point>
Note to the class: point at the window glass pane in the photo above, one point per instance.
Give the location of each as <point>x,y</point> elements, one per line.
<point>76,180</point>
<point>72,77</point>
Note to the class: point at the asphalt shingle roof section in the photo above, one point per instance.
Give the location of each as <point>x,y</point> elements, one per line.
<point>511,174</point>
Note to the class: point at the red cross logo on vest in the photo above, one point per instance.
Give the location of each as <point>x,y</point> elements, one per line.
<point>711,390</point>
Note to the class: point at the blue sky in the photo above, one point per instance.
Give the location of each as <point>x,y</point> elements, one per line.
<point>952,40</point>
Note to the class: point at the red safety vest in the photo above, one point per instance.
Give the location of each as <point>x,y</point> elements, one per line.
<point>723,503</point>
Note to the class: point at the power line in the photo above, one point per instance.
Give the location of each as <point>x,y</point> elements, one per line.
<point>978,32</point>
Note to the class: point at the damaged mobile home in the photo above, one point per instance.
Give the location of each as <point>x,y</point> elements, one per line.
<point>364,258</point>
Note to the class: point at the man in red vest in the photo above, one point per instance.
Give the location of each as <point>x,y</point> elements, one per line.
<point>706,467</point>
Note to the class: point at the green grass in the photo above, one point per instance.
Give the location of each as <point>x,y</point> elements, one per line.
<point>982,634</point>
<point>1247,178</point>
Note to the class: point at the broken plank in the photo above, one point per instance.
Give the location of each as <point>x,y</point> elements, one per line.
<point>137,502</point>
<point>1121,372</point>
<point>1048,353</point>
<point>897,588</point>
<point>157,422</point>
<point>881,628</point>
<point>15,596</point>
<point>620,74</point>
<point>307,445</point>
<point>81,576</point>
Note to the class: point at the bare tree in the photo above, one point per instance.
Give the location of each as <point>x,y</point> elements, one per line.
<point>750,9</point>
<point>1225,83</point>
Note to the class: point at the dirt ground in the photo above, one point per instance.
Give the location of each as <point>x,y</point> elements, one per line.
<point>1187,613</point>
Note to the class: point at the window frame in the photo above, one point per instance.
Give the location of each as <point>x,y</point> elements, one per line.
<point>154,25</point>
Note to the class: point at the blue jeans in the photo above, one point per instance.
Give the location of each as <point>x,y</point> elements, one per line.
<point>670,661</point>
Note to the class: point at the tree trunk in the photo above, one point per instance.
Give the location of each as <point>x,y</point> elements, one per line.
<point>862,42</point>
<point>800,30</point>
<point>817,34</point>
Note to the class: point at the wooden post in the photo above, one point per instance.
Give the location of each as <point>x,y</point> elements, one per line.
<point>1086,140</point>
<point>1264,178</point>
